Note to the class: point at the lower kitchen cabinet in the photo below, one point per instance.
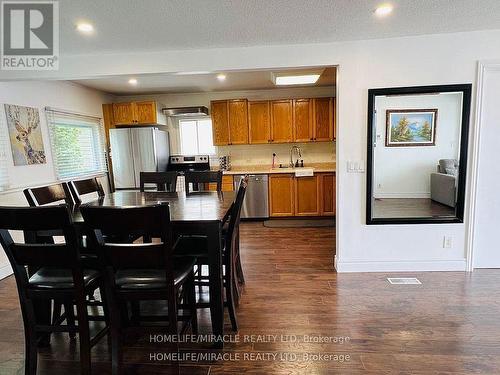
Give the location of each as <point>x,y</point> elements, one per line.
<point>327,194</point>
<point>306,196</point>
<point>281,195</point>
<point>302,196</point>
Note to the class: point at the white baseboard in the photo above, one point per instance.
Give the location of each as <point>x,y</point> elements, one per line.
<point>5,271</point>
<point>381,195</point>
<point>401,266</point>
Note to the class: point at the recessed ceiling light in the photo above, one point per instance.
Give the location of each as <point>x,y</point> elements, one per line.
<point>221,77</point>
<point>85,27</point>
<point>384,10</point>
<point>297,79</point>
<point>132,81</point>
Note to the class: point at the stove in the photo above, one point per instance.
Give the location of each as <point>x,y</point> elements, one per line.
<point>182,163</point>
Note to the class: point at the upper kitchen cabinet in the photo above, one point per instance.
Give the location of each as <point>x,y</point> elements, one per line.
<point>323,119</point>
<point>303,120</point>
<point>238,121</point>
<point>123,113</point>
<point>259,119</point>
<point>145,112</point>
<point>281,121</point>
<point>139,113</point>
<point>220,124</point>
<point>229,122</point>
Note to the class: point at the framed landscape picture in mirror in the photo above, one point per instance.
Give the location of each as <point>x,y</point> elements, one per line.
<point>417,154</point>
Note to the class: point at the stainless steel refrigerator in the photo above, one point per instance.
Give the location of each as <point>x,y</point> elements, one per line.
<point>135,150</point>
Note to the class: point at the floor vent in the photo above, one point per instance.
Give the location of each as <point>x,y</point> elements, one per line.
<point>404,280</point>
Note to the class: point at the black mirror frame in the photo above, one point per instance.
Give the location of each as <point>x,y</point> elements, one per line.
<point>466,89</point>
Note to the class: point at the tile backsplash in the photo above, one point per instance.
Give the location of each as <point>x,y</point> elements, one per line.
<point>241,155</point>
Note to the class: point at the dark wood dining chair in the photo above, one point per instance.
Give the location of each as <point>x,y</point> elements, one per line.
<point>197,246</point>
<point>140,271</point>
<point>164,181</point>
<point>50,194</point>
<point>59,277</point>
<point>80,188</point>
<point>200,180</point>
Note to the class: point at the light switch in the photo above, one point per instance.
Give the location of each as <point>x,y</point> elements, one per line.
<point>356,166</point>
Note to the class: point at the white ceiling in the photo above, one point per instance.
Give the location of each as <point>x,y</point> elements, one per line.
<point>157,25</point>
<point>171,83</point>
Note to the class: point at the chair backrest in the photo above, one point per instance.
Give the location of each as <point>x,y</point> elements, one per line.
<point>165,181</point>
<point>38,254</point>
<point>234,220</point>
<point>83,187</point>
<point>107,223</point>
<point>43,195</point>
<point>202,177</point>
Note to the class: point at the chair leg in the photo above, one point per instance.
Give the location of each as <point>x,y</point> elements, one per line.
<point>239,268</point>
<point>230,298</point>
<point>136,312</point>
<point>56,313</point>
<point>31,352</point>
<point>70,317</point>
<point>191,296</point>
<point>172,311</point>
<point>84,336</point>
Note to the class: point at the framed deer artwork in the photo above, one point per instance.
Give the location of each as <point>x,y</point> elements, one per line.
<point>25,135</point>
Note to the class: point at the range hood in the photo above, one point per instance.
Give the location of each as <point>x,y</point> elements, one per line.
<point>185,111</point>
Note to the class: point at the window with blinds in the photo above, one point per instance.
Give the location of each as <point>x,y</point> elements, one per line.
<point>4,147</point>
<point>77,142</point>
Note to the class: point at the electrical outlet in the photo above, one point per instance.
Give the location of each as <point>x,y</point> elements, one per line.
<point>447,242</point>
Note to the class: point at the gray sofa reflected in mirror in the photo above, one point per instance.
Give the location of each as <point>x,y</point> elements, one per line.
<point>444,182</point>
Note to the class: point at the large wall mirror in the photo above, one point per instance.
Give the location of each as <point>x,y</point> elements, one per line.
<point>417,154</point>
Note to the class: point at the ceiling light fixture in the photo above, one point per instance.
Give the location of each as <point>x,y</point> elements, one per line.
<point>296,80</point>
<point>132,81</point>
<point>221,77</point>
<point>85,27</point>
<point>384,10</point>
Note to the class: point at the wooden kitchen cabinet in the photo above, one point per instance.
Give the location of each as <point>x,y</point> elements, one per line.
<point>281,195</point>
<point>259,121</point>
<point>281,121</point>
<point>229,122</point>
<point>145,112</point>
<point>327,194</point>
<point>123,113</point>
<point>141,113</point>
<point>303,120</point>
<point>238,121</point>
<point>220,124</point>
<point>323,119</point>
<point>306,196</point>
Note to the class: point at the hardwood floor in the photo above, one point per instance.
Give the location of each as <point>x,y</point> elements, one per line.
<point>448,325</point>
<point>410,207</point>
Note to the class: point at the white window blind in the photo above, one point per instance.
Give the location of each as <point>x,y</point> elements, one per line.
<point>4,147</point>
<point>78,146</point>
<point>196,137</point>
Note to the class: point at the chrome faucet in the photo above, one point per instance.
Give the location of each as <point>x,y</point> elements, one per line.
<point>299,154</point>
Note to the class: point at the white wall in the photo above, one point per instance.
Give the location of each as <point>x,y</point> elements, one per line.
<point>442,59</point>
<point>404,172</point>
<point>245,155</point>
<point>487,222</point>
<point>40,94</point>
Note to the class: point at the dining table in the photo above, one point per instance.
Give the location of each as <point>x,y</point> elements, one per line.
<point>194,213</point>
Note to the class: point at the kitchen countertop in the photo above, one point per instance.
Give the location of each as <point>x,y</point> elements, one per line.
<point>266,169</point>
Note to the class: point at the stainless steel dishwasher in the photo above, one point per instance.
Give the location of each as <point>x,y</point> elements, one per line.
<point>256,202</point>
